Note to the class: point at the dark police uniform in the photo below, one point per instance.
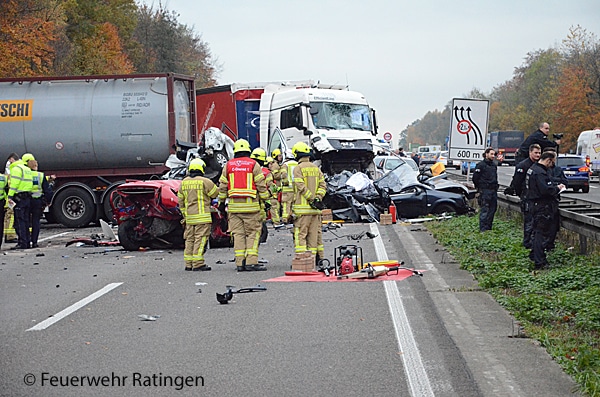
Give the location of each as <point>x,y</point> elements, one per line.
<point>543,196</point>
<point>537,137</point>
<point>519,184</point>
<point>485,178</point>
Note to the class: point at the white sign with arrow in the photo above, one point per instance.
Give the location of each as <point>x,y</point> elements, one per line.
<point>468,129</point>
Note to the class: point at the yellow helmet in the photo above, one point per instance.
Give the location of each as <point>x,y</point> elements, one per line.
<point>275,153</point>
<point>27,156</point>
<point>270,159</point>
<point>197,165</point>
<point>241,145</point>
<point>300,149</point>
<point>259,154</point>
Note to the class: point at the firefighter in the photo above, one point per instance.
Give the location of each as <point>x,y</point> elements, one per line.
<point>309,190</point>
<point>10,234</point>
<point>243,184</point>
<point>275,189</point>
<point>19,195</point>
<point>260,156</point>
<point>287,186</point>
<point>195,195</point>
<point>40,196</point>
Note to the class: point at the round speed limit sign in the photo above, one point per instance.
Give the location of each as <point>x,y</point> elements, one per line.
<point>387,136</point>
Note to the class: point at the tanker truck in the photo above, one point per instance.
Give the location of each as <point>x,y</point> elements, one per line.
<point>338,124</point>
<point>95,132</point>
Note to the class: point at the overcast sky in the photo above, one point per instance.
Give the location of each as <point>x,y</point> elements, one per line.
<point>406,57</point>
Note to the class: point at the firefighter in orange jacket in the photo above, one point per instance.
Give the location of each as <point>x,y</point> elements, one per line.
<point>195,196</point>
<point>243,184</point>
<point>309,190</point>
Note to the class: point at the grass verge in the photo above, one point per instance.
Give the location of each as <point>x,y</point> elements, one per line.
<point>560,307</point>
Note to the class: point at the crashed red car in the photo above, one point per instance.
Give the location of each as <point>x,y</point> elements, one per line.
<point>148,216</point>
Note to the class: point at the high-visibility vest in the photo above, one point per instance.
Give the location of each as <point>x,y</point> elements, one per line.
<point>3,183</point>
<point>289,172</point>
<point>38,179</point>
<point>21,180</point>
<point>242,182</point>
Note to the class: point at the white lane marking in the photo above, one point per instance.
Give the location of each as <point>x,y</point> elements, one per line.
<point>56,235</point>
<point>414,369</point>
<point>74,307</point>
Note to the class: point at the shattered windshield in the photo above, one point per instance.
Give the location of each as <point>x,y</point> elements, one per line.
<point>397,179</point>
<point>337,116</point>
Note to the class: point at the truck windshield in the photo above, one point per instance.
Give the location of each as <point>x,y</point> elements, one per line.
<point>338,116</point>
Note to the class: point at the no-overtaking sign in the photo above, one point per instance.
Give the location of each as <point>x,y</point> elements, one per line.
<point>468,129</point>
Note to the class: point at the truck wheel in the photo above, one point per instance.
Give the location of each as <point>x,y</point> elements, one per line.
<point>73,207</point>
<point>107,208</point>
<point>127,236</point>
<point>585,189</point>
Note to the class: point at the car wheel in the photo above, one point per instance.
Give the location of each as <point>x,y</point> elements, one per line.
<point>444,208</point>
<point>586,189</point>
<point>128,237</point>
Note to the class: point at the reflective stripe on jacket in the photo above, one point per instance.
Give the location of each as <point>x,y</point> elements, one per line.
<point>3,184</point>
<point>38,178</point>
<point>287,176</point>
<point>194,196</point>
<point>21,179</point>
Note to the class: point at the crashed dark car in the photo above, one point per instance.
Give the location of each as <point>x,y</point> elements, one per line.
<point>148,216</point>
<point>413,199</point>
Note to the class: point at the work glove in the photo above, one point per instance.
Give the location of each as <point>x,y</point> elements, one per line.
<point>267,205</point>
<point>182,221</point>
<point>221,207</point>
<point>317,204</point>
<point>290,219</point>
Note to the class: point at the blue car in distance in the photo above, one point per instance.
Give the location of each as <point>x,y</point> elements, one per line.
<point>576,171</point>
<point>465,164</point>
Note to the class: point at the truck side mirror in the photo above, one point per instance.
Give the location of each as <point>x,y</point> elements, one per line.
<point>375,126</point>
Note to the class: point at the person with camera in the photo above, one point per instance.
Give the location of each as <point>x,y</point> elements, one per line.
<point>541,138</point>
<point>543,196</point>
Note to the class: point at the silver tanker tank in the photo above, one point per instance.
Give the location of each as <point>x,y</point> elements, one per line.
<point>75,124</point>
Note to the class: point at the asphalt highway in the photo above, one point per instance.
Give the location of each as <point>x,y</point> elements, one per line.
<point>71,325</point>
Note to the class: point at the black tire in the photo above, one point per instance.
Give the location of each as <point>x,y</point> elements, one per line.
<point>128,238</point>
<point>74,207</point>
<point>585,189</point>
<point>447,208</point>
<point>106,205</point>
<point>218,160</point>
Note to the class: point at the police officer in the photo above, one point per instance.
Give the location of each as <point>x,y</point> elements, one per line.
<point>194,197</point>
<point>287,186</point>
<point>19,195</point>
<point>540,137</point>
<point>40,196</point>
<point>518,186</point>
<point>485,178</point>
<point>243,184</point>
<point>309,190</point>
<point>543,195</point>
<point>558,177</point>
